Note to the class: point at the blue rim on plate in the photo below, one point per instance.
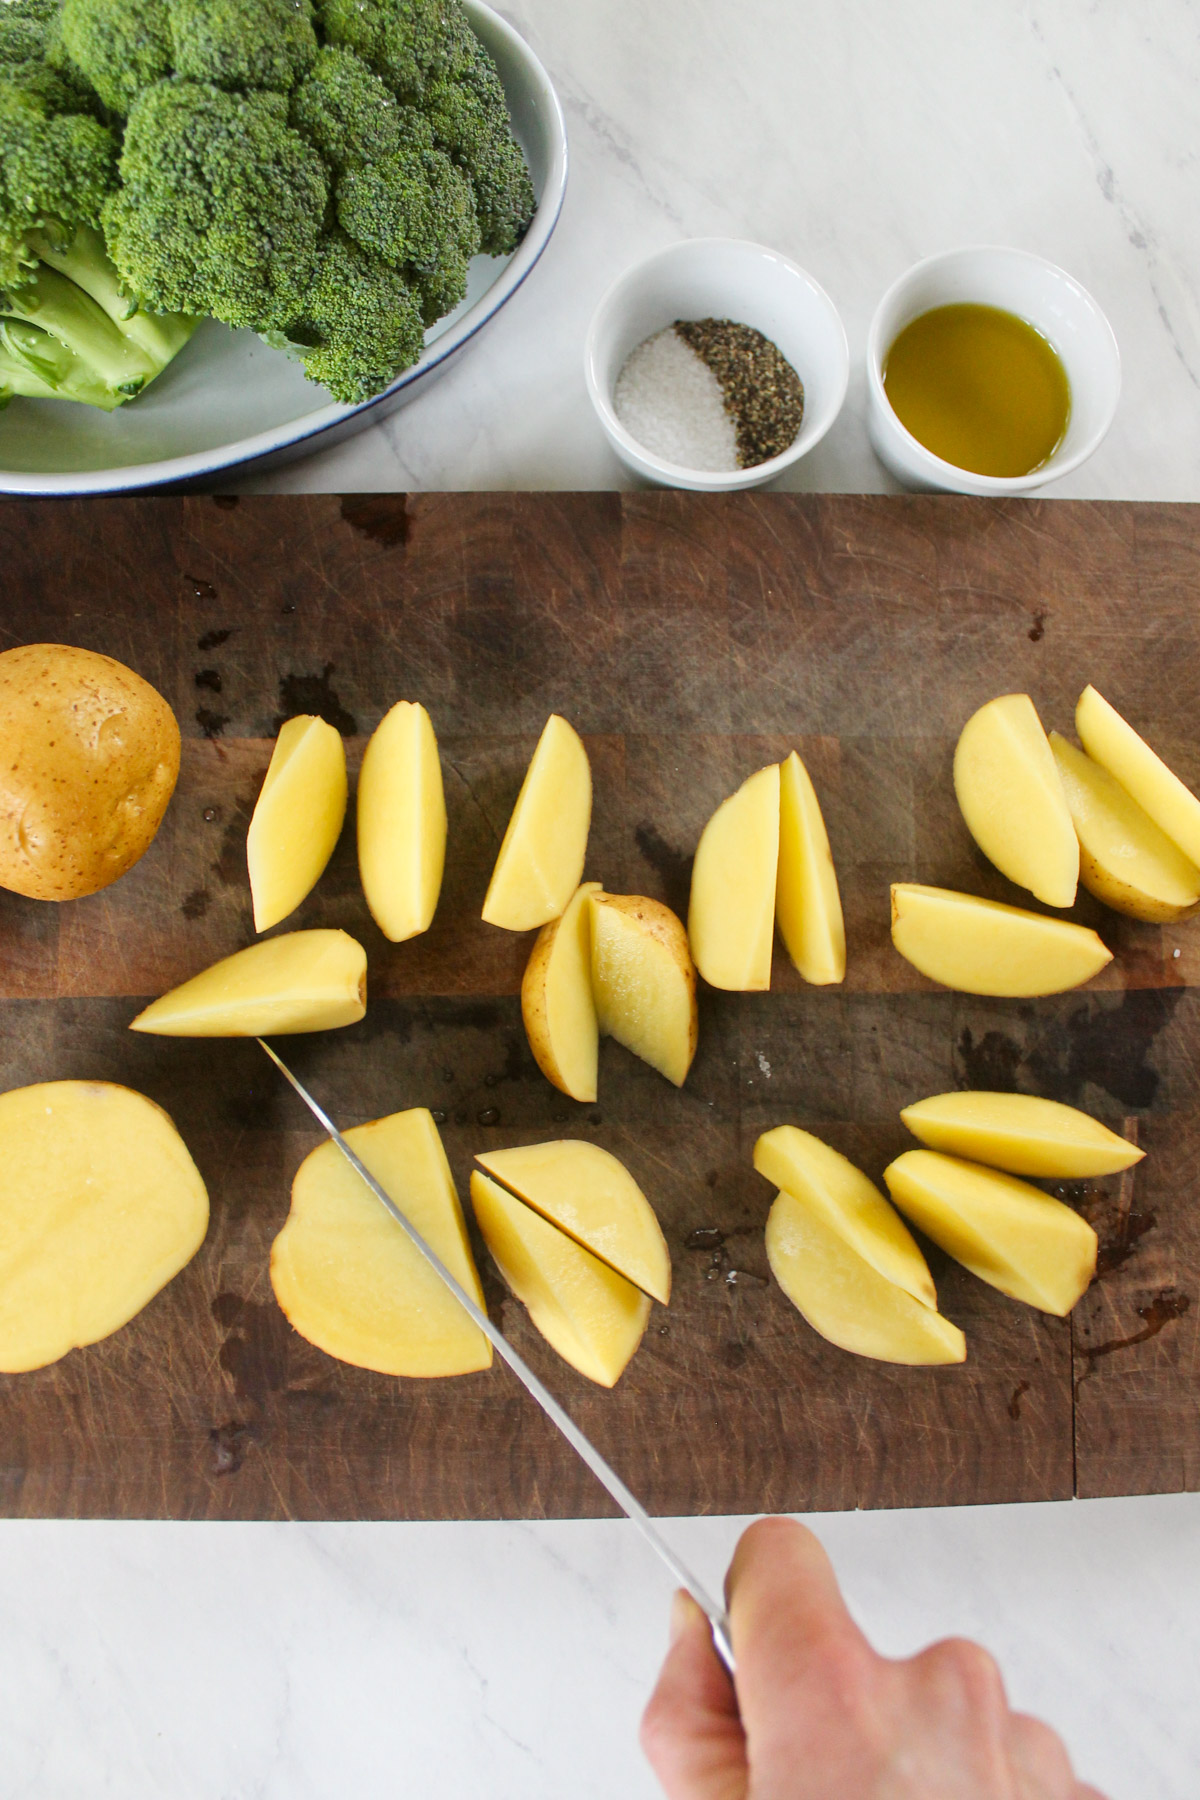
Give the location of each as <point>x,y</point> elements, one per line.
<point>541,130</point>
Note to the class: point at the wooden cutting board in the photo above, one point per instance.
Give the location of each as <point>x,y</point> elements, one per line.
<point>690,639</point>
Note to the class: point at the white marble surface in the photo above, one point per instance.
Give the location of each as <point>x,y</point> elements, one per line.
<point>336,1662</point>
<point>856,137</point>
<point>511,1662</point>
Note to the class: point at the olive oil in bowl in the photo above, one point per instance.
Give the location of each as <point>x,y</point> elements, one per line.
<point>980,388</point>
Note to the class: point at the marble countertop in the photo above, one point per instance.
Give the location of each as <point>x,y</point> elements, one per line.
<point>233,1662</point>
<point>856,138</point>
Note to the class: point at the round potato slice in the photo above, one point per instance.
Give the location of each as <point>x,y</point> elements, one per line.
<point>89,756</point>
<point>100,1206</point>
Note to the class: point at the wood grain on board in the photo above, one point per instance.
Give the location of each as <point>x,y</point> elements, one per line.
<point>690,640</point>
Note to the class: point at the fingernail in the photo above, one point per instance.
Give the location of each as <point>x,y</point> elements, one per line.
<point>683,1612</point>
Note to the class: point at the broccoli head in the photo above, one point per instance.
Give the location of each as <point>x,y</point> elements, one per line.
<point>243,43</point>
<point>118,47</point>
<point>417,212</point>
<point>408,42</point>
<point>56,164</point>
<point>220,206</point>
<point>471,124</point>
<point>361,323</point>
<point>351,115</point>
<point>24,25</point>
<point>121,47</point>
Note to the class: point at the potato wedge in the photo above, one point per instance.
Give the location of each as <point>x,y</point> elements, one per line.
<point>591,1196</point>
<point>982,947</point>
<point>808,907</point>
<point>1116,746</point>
<point>556,999</point>
<point>1125,860</point>
<point>731,914</point>
<point>100,1207</point>
<point>351,1282</point>
<point>644,982</point>
<point>1010,1234</point>
<point>592,1316</point>
<point>846,1299</point>
<point>828,1184</point>
<point>300,981</point>
<point>541,859</point>
<point>1010,794</point>
<point>298,817</point>
<point>402,823</point>
<point>1020,1133</point>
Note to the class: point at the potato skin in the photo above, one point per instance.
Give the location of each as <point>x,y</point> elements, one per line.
<point>89,756</point>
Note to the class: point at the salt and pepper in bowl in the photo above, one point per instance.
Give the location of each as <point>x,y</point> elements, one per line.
<point>716,365</point>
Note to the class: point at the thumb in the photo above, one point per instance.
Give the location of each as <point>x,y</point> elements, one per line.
<point>691,1732</point>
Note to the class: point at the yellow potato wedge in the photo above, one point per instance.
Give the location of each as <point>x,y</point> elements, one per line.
<point>731,915</point>
<point>298,817</point>
<point>808,907</point>
<point>828,1184</point>
<point>1116,746</point>
<point>591,1196</point>
<point>1010,1234</point>
<point>556,999</point>
<point>1124,858</point>
<point>845,1299</point>
<point>981,947</point>
<point>301,981</point>
<point>592,1316</point>
<point>351,1282</point>
<point>100,1207</point>
<point>643,981</point>
<point>1010,794</point>
<point>541,859</point>
<point>1020,1133</point>
<point>402,823</point>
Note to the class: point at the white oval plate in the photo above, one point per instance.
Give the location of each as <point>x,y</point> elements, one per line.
<point>228,400</point>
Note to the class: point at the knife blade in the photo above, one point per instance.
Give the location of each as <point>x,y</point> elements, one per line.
<point>605,1474</point>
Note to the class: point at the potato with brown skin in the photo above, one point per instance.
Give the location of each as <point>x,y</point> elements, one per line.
<point>89,756</point>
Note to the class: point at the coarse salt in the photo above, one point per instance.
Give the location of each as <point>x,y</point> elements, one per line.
<point>668,398</point>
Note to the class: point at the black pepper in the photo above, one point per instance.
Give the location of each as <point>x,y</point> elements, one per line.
<point>763,393</point>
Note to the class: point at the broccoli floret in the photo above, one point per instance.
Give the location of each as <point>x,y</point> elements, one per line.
<point>243,43</point>
<point>408,42</point>
<point>352,116</point>
<point>118,47</point>
<point>417,212</point>
<point>471,124</point>
<point>361,324</point>
<point>221,205</point>
<point>56,165</point>
<point>23,28</point>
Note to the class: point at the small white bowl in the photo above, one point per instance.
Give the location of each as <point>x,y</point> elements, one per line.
<point>719,278</point>
<point>1039,292</point>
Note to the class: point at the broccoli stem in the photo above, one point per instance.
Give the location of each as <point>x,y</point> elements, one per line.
<point>70,331</point>
<point>160,336</point>
<point>36,366</point>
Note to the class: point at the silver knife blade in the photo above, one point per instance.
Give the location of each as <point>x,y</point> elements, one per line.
<point>582,1445</point>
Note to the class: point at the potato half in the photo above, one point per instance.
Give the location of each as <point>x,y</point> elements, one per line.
<point>89,756</point>
<point>100,1206</point>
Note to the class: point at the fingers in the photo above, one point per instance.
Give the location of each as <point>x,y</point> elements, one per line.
<point>691,1733</point>
<point>801,1660</point>
<point>1040,1761</point>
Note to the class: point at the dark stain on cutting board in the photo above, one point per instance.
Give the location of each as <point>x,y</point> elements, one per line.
<point>691,639</point>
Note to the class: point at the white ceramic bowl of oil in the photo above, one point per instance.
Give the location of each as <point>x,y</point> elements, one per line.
<point>719,278</point>
<point>1047,298</point>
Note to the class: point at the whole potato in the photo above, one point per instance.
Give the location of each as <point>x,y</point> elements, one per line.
<point>89,755</point>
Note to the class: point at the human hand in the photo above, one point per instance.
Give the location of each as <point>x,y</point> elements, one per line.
<point>818,1715</point>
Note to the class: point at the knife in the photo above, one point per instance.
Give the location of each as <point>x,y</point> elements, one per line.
<point>583,1447</point>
